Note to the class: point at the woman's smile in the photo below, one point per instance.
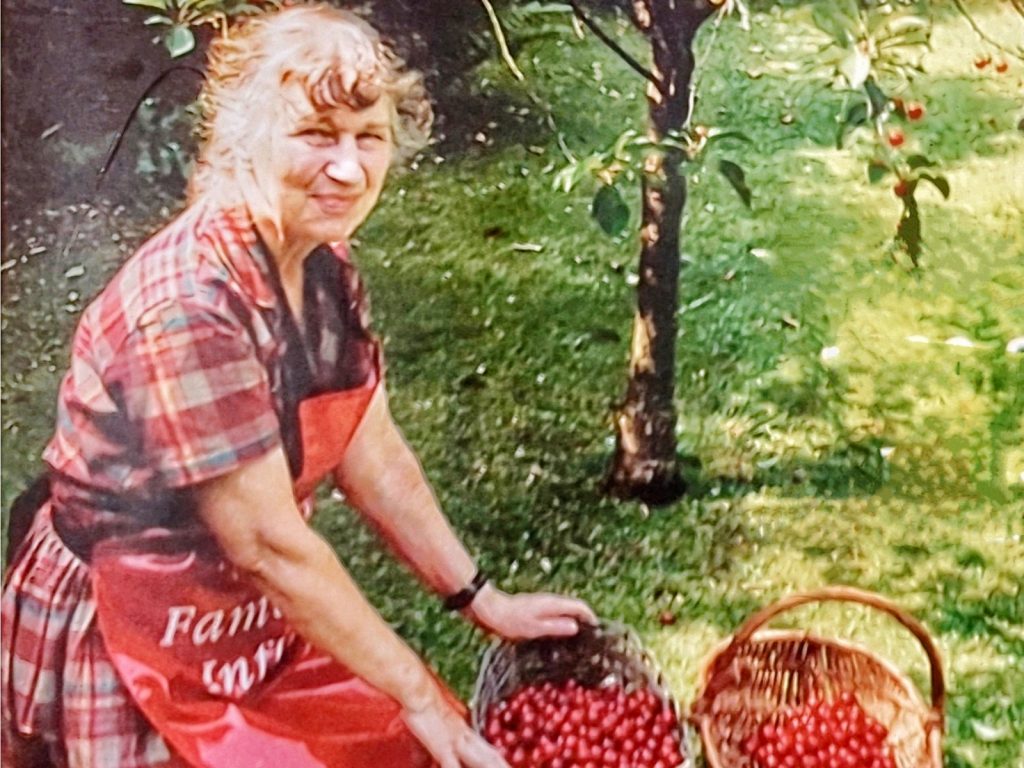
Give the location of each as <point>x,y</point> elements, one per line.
<point>334,203</point>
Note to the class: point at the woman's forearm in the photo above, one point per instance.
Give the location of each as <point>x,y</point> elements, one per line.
<point>255,521</point>
<point>323,604</point>
<point>383,480</point>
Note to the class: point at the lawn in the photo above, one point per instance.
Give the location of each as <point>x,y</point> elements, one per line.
<point>845,420</point>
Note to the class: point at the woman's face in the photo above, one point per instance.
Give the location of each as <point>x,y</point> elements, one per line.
<point>324,169</point>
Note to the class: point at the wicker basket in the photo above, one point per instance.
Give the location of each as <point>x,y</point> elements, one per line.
<point>753,678</point>
<point>606,654</point>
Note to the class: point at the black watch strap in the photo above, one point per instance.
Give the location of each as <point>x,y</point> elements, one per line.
<point>461,599</point>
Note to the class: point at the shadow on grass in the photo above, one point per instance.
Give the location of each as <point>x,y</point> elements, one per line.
<point>997,616</point>
<point>856,469</point>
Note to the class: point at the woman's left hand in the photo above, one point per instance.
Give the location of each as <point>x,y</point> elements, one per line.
<point>528,615</point>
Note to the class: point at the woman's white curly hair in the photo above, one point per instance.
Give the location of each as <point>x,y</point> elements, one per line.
<point>338,59</point>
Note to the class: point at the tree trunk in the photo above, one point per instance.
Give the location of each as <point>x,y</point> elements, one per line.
<point>645,466</point>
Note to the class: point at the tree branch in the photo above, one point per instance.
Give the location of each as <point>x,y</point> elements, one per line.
<point>499,35</point>
<point>614,46</point>
<point>119,136</point>
<point>981,33</point>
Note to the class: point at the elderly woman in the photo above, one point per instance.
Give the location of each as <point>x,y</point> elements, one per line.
<point>170,604</point>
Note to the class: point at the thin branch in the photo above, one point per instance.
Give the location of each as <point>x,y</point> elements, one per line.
<point>981,33</point>
<point>614,46</point>
<point>699,68</point>
<point>119,136</point>
<point>499,35</point>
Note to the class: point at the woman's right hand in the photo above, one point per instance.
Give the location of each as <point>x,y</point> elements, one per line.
<point>449,739</point>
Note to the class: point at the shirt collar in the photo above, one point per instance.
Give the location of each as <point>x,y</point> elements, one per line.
<point>238,245</point>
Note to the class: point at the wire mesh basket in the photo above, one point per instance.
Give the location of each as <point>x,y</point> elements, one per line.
<point>759,675</point>
<point>598,656</point>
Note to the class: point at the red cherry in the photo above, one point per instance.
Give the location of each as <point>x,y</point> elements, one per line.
<point>915,110</point>
<point>1002,66</point>
<point>982,61</point>
<point>896,138</point>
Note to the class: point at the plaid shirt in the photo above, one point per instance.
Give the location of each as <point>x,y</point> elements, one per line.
<point>181,370</point>
<point>187,365</point>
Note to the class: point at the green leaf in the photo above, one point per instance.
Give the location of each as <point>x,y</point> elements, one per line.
<point>941,183</point>
<point>851,9</point>
<point>610,210</point>
<point>179,41</point>
<point>734,174</point>
<point>159,5</point>
<point>877,171</point>
<point>876,96</point>
<point>157,19</point>
<point>919,161</point>
<point>716,135</point>
<point>625,138</point>
<point>855,115</point>
<point>856,67</point>
<point>904,24</point>
<point>529,9</point>
<point>567,177</point>
<point>833,22</point>
<point>908,232</point>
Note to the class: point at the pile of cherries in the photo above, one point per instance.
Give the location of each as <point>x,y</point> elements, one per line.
<point>821,734</point>
<point>567,725</point>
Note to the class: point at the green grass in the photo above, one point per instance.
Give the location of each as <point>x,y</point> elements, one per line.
<point>893,465</point>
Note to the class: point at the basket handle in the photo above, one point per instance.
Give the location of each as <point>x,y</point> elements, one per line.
<point>870,599</point>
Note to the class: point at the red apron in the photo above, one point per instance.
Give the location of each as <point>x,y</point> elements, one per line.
<point>213,665</point>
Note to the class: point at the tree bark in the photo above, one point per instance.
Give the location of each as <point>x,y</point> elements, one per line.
<point>644,465</point>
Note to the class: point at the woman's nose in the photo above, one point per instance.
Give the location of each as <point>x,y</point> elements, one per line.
<point>343,165</point>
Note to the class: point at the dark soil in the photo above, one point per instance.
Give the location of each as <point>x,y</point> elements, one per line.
<point>72,72</point>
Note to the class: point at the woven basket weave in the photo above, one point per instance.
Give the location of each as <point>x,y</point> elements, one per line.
<point>759,674</point>
<point>606,654</point>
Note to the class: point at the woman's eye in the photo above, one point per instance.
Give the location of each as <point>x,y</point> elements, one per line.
<point>316,135</point>
<point>371,136</point>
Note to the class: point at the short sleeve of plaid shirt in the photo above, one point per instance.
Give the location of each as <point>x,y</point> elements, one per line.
<point>195,393</point>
